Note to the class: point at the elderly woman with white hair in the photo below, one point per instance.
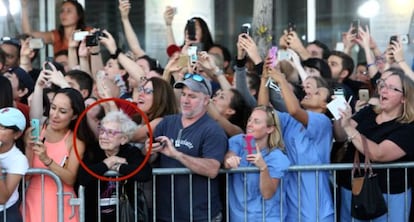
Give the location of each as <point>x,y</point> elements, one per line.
<point>116,154</point>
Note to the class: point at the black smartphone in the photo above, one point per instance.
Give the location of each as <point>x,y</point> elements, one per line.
<point>49,60</point>
<point>191,30</point>
<point>245,29</point>
<point>355,27</point>
<point>291,27</point>
<point>393,38</point>
<point>91,40</point>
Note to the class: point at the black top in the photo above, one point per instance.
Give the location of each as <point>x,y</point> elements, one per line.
<point>107,189</point>
<point>399,133</point>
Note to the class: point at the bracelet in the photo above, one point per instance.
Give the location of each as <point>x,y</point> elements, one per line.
<point>398,62</point>
<point>50,162</point>
<point>115,56</point>
<point>350,138</point>
<point>263,168</point>
<point>218,71</point>
<point>371,64</point>
<point>95,53</point>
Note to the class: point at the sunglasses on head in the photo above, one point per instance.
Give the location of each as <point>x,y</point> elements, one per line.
<point>197,78</point>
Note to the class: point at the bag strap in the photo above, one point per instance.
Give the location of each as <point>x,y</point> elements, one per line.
<point>367,156</point>
<point>367,162</point>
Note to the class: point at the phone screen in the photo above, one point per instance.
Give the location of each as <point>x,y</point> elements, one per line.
<point>355,26</point>
<point>191,29</point>
<point>393,38</point>
<point>291,27</point>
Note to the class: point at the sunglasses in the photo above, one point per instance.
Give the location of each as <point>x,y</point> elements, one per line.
<point>197,78</point>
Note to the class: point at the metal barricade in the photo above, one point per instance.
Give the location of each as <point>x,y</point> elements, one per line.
<point>112,200</point>
<point>332,168</point>
<point>59,193</point>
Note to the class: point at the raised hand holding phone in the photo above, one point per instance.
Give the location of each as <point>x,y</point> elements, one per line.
<point>35,123</point>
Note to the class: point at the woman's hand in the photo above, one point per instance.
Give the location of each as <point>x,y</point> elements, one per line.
<point>233,161</point>
<point>346,116</point>
<point>39,149</point>
<point>114,162</point>
<point>257,158</point>
<point>169,15</point>
<point>108,42</point>
<point>124,8</point>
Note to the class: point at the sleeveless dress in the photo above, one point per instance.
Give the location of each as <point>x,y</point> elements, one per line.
<point>58,152</point>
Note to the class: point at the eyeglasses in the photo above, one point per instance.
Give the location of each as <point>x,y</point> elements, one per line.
<point>109,132</point>
<point>197,78</point>
<point>381,84</point>
<point>147,91</point>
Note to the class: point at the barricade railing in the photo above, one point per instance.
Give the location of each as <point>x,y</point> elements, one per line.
<point>332,168</point>
<point>59,193</point>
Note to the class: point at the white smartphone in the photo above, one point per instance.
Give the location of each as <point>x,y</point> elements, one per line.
<point>36,43</point>
<point>192,53</point>
<point>79,36</point>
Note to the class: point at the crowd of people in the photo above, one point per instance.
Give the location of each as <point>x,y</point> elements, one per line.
<point>201,111</point>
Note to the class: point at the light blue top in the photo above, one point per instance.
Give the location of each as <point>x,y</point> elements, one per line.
<point>308,146</point>
<point>277,163</point>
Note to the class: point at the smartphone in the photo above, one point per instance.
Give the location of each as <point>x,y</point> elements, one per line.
<point>273,54</point>
<point>192,53</point>
<point>355,27</point>
<point>245,28</point>
<point>174,9</point>
<point>291,27</point>
<point>363,94</point>
<point>183,60</point>
<point>35,123</point>
<point>393,38</point>
<point>250,144</point>
<point>283,54</point>
<point>79,36</point>
<point>91,40</point>
<point>191,31</point>
<point>339,92</point>
<point>47,65</point>
<point>36,43</point>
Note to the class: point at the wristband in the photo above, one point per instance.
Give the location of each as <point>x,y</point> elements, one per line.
<point>218,71</point>
<point>115,56</point>
<point>95,53</point>
<point>371,64</point>
<point>50,162</point>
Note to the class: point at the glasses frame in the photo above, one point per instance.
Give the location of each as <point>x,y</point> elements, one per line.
<point>381,84</point>
<point>109,132</point>
<point>146,91</point>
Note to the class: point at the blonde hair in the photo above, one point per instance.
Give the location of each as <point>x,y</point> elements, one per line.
<point>275,139</point>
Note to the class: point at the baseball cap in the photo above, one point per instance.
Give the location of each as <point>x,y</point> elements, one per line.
<point>12,118</point>
<point>23,77</point>
<point>196,83</point>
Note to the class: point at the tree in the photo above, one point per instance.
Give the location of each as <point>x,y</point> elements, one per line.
<point>262,25</point>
